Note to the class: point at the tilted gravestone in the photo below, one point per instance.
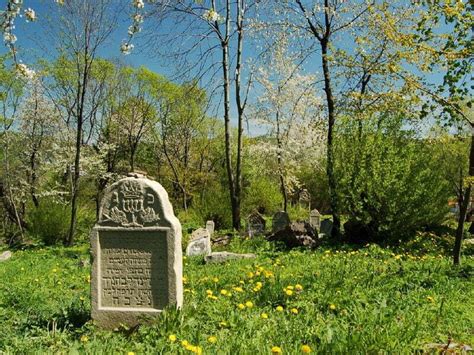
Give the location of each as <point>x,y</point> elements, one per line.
<point>255,224</point>
<point>210,227</point>
<point>200,243</point>
<point>315,219</point>
<point>136,250</point>
<point>280,221</point>
<point>326,227</point>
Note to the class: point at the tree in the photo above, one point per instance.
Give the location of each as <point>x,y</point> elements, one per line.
<point>449,51</point>
<point>11,91</point>
<point>81,30</point>
<point>216,34</point>
<point>290,110</point>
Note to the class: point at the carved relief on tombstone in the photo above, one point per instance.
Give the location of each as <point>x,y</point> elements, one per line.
<point>136,249</point>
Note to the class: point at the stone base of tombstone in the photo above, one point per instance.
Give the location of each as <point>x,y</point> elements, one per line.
<point>136,254</point>
<point>223,256</point>
<point>297,234</point>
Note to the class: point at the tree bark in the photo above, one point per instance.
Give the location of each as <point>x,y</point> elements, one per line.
<point>464,201</point>
<point>330,144</point>
<point>77,166</point>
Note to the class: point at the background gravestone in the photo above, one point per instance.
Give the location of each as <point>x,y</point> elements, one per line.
<point>315,219</point>
<point>210,227</point>
<point>326,227</point>
<point>281,220</point>
<point>136,251</point>
<point>255,224</point>
<point>200,243</point>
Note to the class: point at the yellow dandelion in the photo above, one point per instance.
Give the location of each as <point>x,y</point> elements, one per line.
<point>238,289</point>
<point>276,350</point>
<point>185,279</point>
<point>332,307</point>
<point>305,349</point>
<point>212,339</point>
<point>82,298</point>
<point>264,316</point>
<point>224,292</point>
<point>55,270</point>
<point>84,338</point>
<point>258,284</point>
<point>241,306</point>
<point>130,353</point>
<point>250,274</point>
<point>294,310</point>
<point>249,304</point>
<point>223,324</point>
<point>215,279</point>
<point>279,309</point>
<point>430,299</point>
<point>37,280</point>
<point>398,257</point>
<point>289,292</point>
<point>298,287</point>
<point>209,292</point>
<point>184,343</point>
<point>172,338</point>
<point>290,287</point>
<point>242,282</point>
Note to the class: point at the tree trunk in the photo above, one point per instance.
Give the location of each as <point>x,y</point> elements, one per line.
<point>330,147</point>
<point>228,155</point>
<point>77,159</point>
<point>463,206</point>
<point>280,162</point>
<point>240,116</point>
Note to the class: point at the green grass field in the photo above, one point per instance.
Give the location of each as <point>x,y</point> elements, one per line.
<point>329,301</point>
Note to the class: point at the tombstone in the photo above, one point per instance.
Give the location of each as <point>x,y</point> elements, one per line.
<point>315,219</point>
<point>200,243</point>
<point>255,224</point>
<point>223,256</point>
<point>210,227</point>
<point>136,250</point>
<point>5,255</point>
<point>280,221</point>
<point>326,227</point>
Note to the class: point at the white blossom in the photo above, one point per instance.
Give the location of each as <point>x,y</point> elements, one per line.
<point>126,48</point>
<point>139,4</point>
<point>9,38</point>
<point>25,72</point>
<point>211,15</point>
<point>30,14</point>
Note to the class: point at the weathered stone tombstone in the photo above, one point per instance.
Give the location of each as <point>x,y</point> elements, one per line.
<point>315,219</point>
<point>210,226</point>
<point>326,227</point>
<point>136,251</point>
<point>5,255</point>
<point>281,220</point>
<point>200,243</point>
<point>255,224</point>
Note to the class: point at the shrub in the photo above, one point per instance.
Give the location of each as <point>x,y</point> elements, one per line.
<point>388,182</point>
<point>49,222</point>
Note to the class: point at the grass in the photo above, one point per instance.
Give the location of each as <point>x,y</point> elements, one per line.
<point>348,300</point>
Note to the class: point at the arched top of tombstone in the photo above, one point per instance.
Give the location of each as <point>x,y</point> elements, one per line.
<point>315,212</point>
<point>136,202</point>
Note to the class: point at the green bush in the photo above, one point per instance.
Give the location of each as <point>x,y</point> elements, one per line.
<point>263,195</point>
<point>49,222</point>
<point>389,183</point>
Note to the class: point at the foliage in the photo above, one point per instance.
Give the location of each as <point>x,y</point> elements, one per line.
<point>347,301</point>
<point>49,223</point>
<point>388,180</point>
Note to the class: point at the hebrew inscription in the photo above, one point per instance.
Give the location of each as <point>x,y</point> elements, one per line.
<point>132,269</point>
